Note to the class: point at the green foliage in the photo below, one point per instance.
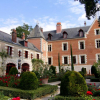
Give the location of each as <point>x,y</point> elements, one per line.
<point>53,68</point>
<point>83,70</point>
<point>28,94</point>
<point>2,97</point>
<point>94,80</point>
<point>28,81</point>
<point>37,74</point>
<point>72,65</point>
<point>90,7</point>
<point>13,71</point>
<point>81,73</point>
<point>97,93</point>
<point>25,28</point>
<point>37,63</point>
<point>73,84</point>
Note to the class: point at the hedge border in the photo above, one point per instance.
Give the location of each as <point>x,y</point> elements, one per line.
<point>29,94</point>
<point>58,97</point>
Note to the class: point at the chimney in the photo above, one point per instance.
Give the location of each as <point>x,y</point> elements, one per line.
<point>84,23</point>
<point>41,29</point>
<point>58,27</point>
<point>23,36</point>
<point>14,35</point>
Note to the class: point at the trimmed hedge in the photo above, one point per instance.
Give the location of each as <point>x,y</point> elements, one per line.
<point>94,80</point>
<point>28,94</point>
<point>89,77</point>
<point>75,98</point>
<point>53,79</point>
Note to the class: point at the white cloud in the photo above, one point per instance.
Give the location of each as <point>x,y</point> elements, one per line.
<point>61,2</point>
<point>83,17</point>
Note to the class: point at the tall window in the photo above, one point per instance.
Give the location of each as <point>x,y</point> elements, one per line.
<point>74,59</point>
<point>98,57</point>
<point>37,56</point>
<point>82,58</point>
<point>49,61</point>
<point>97,31</point>
<point>97,43</point>
<point>26,54</point>
<point>65,47</point>
<point>19,53</point>
<point>9,50</point>
<point>65,60</point>
<point>81,45</point>
<point>49,47</point>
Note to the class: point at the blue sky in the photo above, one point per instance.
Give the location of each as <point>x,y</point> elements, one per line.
<point>14,13</point>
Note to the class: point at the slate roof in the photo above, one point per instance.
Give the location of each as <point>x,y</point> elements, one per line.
<point>8,38</point>
<point>72,33</point>
<point>36,33</point>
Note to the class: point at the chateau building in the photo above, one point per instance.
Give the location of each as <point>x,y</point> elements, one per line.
<point>85,43</point>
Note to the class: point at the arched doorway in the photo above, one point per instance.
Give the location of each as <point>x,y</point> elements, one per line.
<point>25,67</point>
<point>9,66</point>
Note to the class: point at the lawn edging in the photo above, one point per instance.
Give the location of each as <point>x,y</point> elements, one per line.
<point>29,94</point>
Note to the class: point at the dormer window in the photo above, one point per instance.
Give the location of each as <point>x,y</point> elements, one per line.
<point>26,43</point>
<point>97,31</point>
<point>64,34</point>
<point>81,33</point>
<point>49,36</point>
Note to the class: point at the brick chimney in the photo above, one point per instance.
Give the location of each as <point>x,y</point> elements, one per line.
<point>58,27</point>
<point>41,29</point>
<point>14,35</point>
<point>23,36</point>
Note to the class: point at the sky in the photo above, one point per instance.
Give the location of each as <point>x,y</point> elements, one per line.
<point>46,13</point>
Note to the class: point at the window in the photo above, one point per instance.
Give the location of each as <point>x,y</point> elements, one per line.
<point>81,33</point>
<point>26,54</point>
<point>64,34</point>
<point>9,50</point>
<point>74,59</point>
<point>65,47</point>
<point>49,61</point>
<point>19,53</point>
<point>97,31</point>
<point>82,59</point>
<point>65,60</point>
<point>37,56</point>
<point>49,47</point>
<point>81,44</point>
<point>31,56</point>
<point>97,43</point>
<point>49,36</point>
<point>98,57</point>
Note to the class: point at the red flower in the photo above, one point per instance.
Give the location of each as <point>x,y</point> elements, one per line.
<point>94,84</point>
<point>89,93</point>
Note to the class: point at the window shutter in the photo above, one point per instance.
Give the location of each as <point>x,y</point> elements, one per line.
<point>7,49</point>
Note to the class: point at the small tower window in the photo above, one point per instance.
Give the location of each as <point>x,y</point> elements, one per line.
<point>81,33</point>
<point>49,36</point>
<point>64,34</point>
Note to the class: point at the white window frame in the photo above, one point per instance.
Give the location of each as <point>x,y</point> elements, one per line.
<point>95,31</point>
<point>63,47</point>
<point>21,52</point>
<point>97,57</point>
<point>51,59</point>
<point>48,47</point>
<point>79,44</point>
<point>85,58</point>
<point>63,59</point>
<point>33,55</point>
<point>96,43</point>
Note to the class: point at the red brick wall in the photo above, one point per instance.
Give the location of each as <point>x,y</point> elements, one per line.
<point>36,42</point>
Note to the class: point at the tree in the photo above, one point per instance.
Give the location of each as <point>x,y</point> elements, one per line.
<point>72,66</point>
<point>3,55</point>
<point>90,7</point>
<point>23,29</point>
<point>59,62</point>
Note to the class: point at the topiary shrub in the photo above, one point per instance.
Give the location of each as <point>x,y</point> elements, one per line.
<point>13,71</point>
<point>94,71</point>
<point>29,81</point>
<point>53,69</point>
<point>73,84</point>
<point>83,70</point>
